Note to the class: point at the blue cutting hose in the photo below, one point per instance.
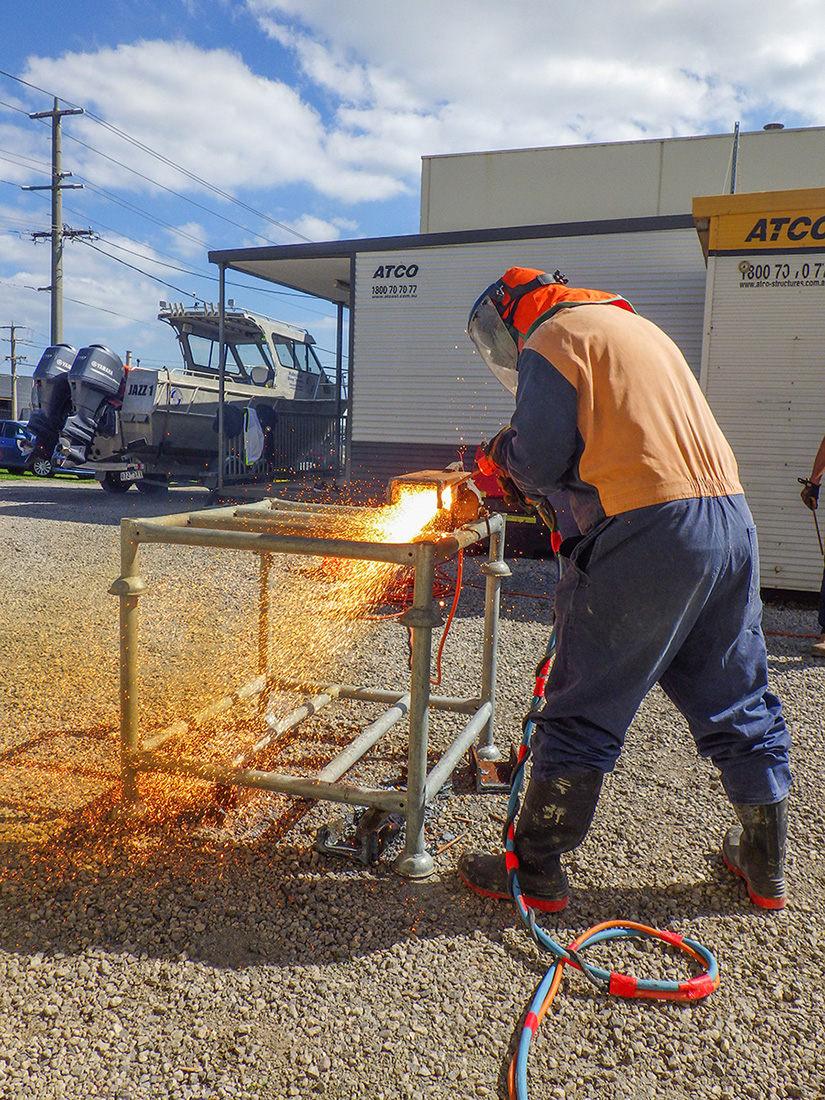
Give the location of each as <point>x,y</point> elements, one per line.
<point>620,985</point>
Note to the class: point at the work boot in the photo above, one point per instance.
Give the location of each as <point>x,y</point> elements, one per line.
<point>554,818</point>
<point>756,851</point>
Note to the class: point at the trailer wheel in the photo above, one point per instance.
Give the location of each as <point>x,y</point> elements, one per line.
<point>111,483</point>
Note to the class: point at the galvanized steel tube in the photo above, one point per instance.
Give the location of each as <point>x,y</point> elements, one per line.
<point>297,786</point>
<point>416,861</point>
<point>365,740</point>
<point>443,769</point>
<point>496,569</point>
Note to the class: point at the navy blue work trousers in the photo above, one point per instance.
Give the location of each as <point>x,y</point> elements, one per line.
<point>667,594</point>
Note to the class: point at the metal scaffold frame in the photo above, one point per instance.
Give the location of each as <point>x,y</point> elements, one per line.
<point>276,526</point>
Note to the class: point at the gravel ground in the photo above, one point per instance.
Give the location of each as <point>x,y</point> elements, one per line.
<point>214,953</point>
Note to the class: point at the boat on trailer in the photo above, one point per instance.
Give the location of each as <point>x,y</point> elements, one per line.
<point>283,416</point>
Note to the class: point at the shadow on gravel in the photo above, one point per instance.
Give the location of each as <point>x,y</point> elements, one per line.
<point>86,502</point>
<point>168,890</point>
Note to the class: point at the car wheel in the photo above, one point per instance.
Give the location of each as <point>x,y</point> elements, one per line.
<point>42,467</point>
<point>111,483</point>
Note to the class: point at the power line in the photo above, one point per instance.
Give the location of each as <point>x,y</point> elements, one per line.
<point>11,106</point>
<point>114,313</point>
<point>171,164</point>
<point>169,190</point>
<point>141,213</point>
<point>197,179</point>
<point>156,278</point>
<point>209,276</point>
<point>137,210</point>
<point>17,158</point>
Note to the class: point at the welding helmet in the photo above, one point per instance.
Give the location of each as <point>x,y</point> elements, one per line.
<point>491,325</point>
<point>511,308</point>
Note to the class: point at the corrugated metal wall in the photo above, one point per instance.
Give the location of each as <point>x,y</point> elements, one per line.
<point>374,465</point>
<point>417,378</point>
<point>764,377</point>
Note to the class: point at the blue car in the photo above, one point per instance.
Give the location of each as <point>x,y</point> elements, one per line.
<point>13,434</point>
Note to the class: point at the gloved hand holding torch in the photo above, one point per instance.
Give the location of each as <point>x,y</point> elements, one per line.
<point>489,464</point>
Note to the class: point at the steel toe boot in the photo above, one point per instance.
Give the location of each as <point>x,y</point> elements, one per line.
<point>554,819</point>
<point>755,850</point>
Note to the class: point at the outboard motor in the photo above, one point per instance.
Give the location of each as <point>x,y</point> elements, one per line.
<point>96,382</point>
<point>51,399</point>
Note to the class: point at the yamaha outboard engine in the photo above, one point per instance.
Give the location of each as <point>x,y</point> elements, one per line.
<point>96,381</point>
<point>51,398</point>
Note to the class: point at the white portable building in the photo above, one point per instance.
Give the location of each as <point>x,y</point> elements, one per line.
<point>763,360</point>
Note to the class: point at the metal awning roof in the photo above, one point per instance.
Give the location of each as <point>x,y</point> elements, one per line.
<point>325,269</point>
<point>322,270</point>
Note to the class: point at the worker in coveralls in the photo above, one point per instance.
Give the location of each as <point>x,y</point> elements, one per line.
<point>662,585</point>
<point>810,495</point>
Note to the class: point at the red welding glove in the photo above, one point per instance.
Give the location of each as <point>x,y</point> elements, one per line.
<point>488,459</point>
<point>809,494</point>
<point>487,462</point>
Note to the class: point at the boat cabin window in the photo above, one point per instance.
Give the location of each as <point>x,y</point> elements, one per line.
<point>240,358</point>
<point>205,354</point>
<point>307,359</point>
<point>284,351</point>
<point>296,356</point>
<point>252,355</point>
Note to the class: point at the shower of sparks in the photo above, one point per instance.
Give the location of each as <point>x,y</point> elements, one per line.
<point>198,641</point>
<point>364,583</point>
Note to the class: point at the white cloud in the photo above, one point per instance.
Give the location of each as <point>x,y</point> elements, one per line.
<point>205,110</point>
<point>380,83</point>
<point>476,74</point>
<point>386,82</point>
<point>314,228</point>
<point>189,239</point>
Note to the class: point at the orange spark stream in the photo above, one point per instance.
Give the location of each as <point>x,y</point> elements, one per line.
<point>198,640</point>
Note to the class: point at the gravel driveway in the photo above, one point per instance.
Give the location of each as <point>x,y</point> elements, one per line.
<point>214,953</point>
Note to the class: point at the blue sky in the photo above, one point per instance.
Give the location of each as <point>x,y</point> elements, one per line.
<point>229,123</point>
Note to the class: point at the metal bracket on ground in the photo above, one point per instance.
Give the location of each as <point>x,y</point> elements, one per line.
<point>365,841</point>
<point>492,776</point>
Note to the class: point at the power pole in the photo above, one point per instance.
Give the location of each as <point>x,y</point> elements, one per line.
<point>58,232</point>
<point>15,359</point>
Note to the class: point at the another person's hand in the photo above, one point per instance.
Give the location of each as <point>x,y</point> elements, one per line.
<point>809,494</point>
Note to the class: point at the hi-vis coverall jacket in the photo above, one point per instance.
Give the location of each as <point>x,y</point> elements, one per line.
<point>608,409</point>
<point>664,585</point>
